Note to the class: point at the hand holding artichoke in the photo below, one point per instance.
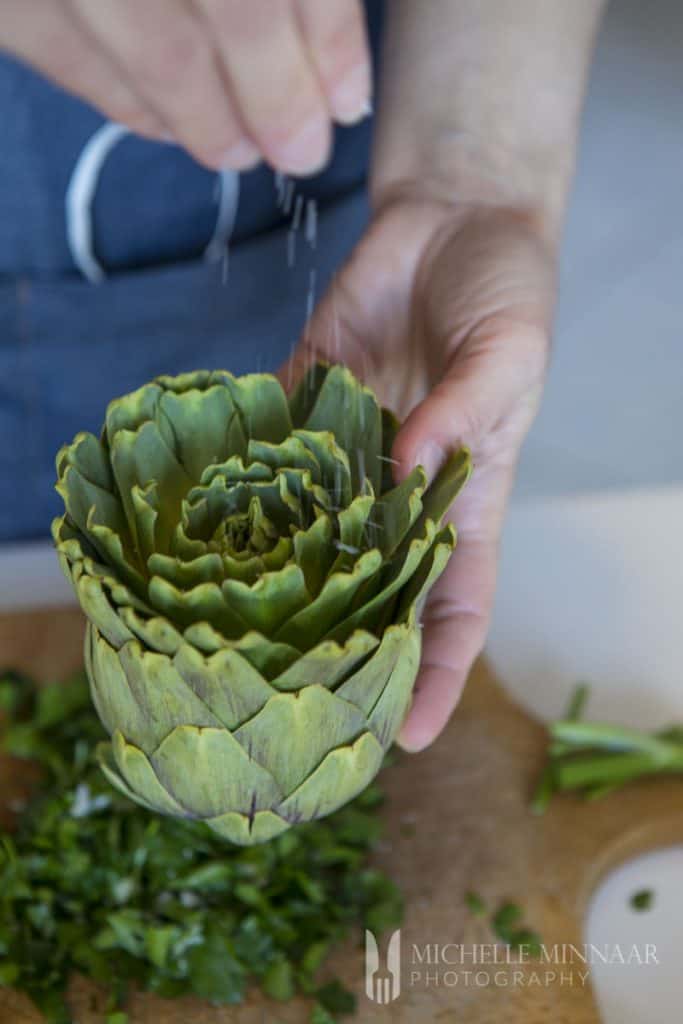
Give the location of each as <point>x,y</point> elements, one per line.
<point>252,580</point>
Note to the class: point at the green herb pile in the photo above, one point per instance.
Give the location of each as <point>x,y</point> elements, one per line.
<point>90,882</point>
<point>595,758</point>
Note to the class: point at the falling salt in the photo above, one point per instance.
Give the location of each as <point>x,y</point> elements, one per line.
<point>291,248</point>
<point>310,298</point>
<point>296,218</point>
<point>311,229</point>
<point>349,548</point>
<point>225,265</point>
<point>280,181</point>
<point>289,198</point>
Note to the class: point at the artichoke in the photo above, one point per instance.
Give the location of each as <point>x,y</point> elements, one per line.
<point>252,580</point>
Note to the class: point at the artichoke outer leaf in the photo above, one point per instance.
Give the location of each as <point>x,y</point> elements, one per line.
<point>398,509</point>
<point>302,398</point>
<point>309,626</point>
<point>119,594</point>
<point>328,663</point>
<point>273,599</point>
<point>365,687</point>
<point>89,456</point>
<point>132,410</point>
<point>230,687</point>
<point>209,773</point>
<point>143,694</point>
<point>93,601</point>
<point>205,602</point>
<point>350,411</point>
<point>233,470</point>
<point>105,759</point>
<point>369,613</point>
<point>388,714</point>
<point>261,404</point>
<point>204,425</point>
<point>86,503</point>
<point>446,486</point>
<point>343,773</point>
<point>270,659</point>
<point>133,768</point>
<point>428,572</point>
<point>290,454</point>
<point>244,830</point>
<point>144,456</point>
<point>206,568</point>
<point>156,633</point>
<point>293,732</point>
<point>180,382</point>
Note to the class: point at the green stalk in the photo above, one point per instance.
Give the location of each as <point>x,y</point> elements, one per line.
<point>617,768</point>
<point>594,735</point>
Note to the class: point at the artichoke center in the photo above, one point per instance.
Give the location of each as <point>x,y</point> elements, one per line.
<point>244,534</point>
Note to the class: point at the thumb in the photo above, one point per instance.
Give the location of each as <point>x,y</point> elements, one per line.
<point>490,389</point>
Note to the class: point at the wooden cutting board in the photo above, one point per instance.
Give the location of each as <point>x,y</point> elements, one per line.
<point>457,818</point>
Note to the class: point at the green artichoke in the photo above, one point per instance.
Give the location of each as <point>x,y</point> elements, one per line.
<point>252,580</point>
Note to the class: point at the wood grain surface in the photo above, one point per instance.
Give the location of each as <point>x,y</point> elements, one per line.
<point>456,818</point>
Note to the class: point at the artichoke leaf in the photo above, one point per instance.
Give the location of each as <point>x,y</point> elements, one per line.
<point>90,457</point>
<point>350,411</point>
<point>308,626</point>
<point>207,568</point>
<point>335,472</point>
<point>164,804</point>
<point>207,770</point>
<point>225,682</point>
<point>428,572</point>
<point>234,471</point>
<point>343,773</point>
<point>328,663</point>
<point>155,632</point>
<point>272,600</point>
<point>142,694</point>
<point>267,657</point>
<point>262,406</point>
<point>368,614</point>
<point>314,552</point>
<point>293,732</point>
<point>142,457</point>
<point>246,830</point>
<point>219,436</point>
<point>290,453</point>
<point>205,602</point>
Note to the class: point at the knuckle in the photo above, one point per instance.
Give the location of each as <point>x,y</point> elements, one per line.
<point>174,57</point>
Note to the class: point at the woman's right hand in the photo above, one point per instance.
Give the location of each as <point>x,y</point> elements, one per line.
<point>231,82</point>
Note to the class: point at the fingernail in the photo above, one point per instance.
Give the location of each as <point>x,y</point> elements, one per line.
<point>306,151</point>
<point>240,156</point>
<point>350,100</point>
<point>430,456</point>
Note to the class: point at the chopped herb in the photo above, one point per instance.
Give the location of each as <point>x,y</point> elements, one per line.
<point>475,904</point>
<point>642,899</point>
<point>91,882</point>
<point>506,926</point>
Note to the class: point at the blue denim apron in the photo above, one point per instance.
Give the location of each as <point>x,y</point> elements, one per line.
<point>114,268</point>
